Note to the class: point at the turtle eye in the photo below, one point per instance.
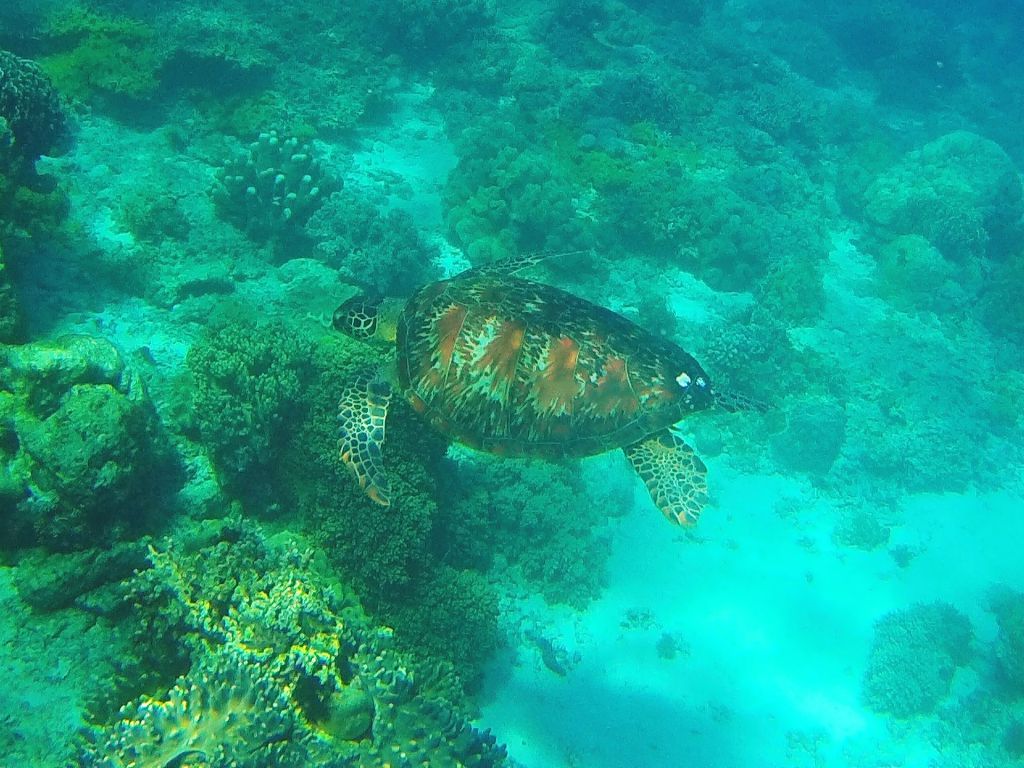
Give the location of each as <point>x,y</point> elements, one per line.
<point>683,380</point>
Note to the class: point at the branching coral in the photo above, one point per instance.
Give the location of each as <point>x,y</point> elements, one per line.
<point>272,188</point>
<point>248,381</point>
<point>380,250</point>
<point>913,658</point>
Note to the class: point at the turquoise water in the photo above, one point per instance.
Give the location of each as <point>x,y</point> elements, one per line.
<point>824,206</point>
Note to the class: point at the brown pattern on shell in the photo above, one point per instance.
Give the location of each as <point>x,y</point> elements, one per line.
<point>520,368</point>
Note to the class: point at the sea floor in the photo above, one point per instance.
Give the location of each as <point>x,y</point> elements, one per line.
<point>745,644</point>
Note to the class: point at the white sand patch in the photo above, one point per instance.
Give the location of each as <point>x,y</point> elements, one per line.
<point>774,624</point>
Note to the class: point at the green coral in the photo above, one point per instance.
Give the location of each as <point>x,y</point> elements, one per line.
<point>913,658</point>
<point>11,319</point>
<point>449,614</point>
<point>82,451</point>
<point>538,531</point>
<point>1009,646</point>
<point>506,196</point>
<point>100,53</point>
<point>248,383</point>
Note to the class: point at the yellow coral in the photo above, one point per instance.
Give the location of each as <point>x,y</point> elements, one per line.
<point>227,713</point>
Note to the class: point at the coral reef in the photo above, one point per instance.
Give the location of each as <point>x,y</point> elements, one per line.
<point>248,381</point>
<point>826,420</point>
<point>381,251</point>
<point>862,529</point>
<point>393,559</point>
<point>506,196</point>
<point>219,47</point>
<point>33,122</point>
<point>31,112</point>
<point>11,320</point>
<point>915,277</point>
<point>101,54</point>
<point>280,670</point>
<point>426,29</point>
<point>912,63</point>
<point>52,581</point>
<point>223,713</point>
<point>449,614</point>
<point>539,532</point>
<point>272,188</point>
<point>913,657</point>
<point>1009,648</point>
<point>961,192</point>
<point>82,450</point>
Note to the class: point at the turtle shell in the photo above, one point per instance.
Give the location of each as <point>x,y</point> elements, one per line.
<point>519,368</point>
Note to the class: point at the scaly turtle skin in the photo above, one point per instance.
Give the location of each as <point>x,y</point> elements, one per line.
<point>518,368</point>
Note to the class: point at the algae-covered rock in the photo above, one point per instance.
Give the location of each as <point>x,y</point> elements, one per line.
<point>49,582</point>
<point>11,320</point>
<point>82,456</point>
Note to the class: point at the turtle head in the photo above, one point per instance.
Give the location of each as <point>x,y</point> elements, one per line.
<point>693,383</point>
<point>368,317</point>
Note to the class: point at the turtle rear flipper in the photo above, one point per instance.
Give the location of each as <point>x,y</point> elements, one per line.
<point>675,477</point>
<point>362,411</point>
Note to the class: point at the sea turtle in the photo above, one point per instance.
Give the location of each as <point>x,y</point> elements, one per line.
<point>519,368</point>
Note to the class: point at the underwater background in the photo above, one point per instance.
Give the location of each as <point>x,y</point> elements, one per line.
<point>821,202</point>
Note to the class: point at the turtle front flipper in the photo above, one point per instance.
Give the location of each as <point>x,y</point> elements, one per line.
<point>362,411</point>
<point>675,477</point>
